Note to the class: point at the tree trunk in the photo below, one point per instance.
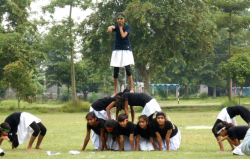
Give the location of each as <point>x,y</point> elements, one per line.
<point>58,91</point>
<point>186,92</point>
<point>230,93</point>
<point>18,99</point>
<point>68,94</point>
<point>73,82</point>
<point>85,95</point>
<point>145,77</point>
<point>214,92</point>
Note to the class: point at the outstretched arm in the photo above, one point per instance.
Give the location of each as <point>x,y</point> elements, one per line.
<point>131,139</point>
<point>110,28</point>
<point>159,140</point>
<point>168,139</point>
<point>153,143</point>
<point>111,105</point>
<point>86,140</point>
<point>121,142</point>
<point>132,113</point>
<point>104,145</point>
<point>126,107</point>
<point>137,142</point>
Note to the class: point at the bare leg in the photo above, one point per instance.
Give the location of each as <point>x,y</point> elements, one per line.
<point>220,144</point>
<point>40,139</point>
<point>32,139</point>
<point>131,84</point>
<point>115,87</point>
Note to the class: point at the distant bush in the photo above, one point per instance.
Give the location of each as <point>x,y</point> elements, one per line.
<point>162,94</point>
<point>81,106</point>
<point>229,103</point>
<point>203,95</point>
<point>94,96</point>
<point>43,110</point>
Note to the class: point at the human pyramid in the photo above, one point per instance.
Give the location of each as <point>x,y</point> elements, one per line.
<point>120,133</point>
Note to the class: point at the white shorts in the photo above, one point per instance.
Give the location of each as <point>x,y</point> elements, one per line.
<point>174,143</point>
<point>101,114</point>
<point>224,116</point>
<point>151,107</point>
<point>97,142</point>
<point>121,58</point>
<point>145,145</point>
<point>24,130</point>
<point>126,143</point>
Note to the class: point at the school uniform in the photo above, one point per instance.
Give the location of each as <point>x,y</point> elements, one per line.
<point>149,104</point>
<point>228,114</point>
<point>96,140</point>
<point>175,137</point>
<point>99,107</point>
<point>145,134</point>
<point>237,132</point>
<point>129,129</point>
<point>122,52</point>
<point>21,122</point>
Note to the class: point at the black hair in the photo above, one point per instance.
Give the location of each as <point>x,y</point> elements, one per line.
<point>144,117</point>
<point>221,125</point>
<point>126,90</point>
<point>114,124</point>
<point>92,114</point>
<point>5,126</point>
<point>122,14</point>
<point>13,139</point>
<point>122,117</point>
<point>161,113</point>
<point>119,104</point>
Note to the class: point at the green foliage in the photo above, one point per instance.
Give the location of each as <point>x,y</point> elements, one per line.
<point>162,94</point>
<point>2,91</point>
<point>203,95</point>
<point>81,106</point>
<point>229,103</point>
<point>94,96</point>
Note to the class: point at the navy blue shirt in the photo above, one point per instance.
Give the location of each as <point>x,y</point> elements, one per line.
<point>122,43</point>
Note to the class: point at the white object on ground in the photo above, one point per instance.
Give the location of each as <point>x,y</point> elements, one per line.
<point>74,152</point>
<point>49,153</point>
<point>237,150</point>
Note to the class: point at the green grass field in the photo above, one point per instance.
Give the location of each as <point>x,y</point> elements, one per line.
<point>67,131</point>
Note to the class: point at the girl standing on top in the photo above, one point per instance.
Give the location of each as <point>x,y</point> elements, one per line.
<point>227,114</point>
<point>97,125</point>
<point>144,135</point>
<point>167,134</point>
<point>122,55</point>
<point>233,134</point>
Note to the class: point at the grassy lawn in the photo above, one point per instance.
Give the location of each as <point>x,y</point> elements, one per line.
<point>67,132</point>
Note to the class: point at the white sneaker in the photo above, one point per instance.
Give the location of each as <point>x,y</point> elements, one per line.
<point>237,151</point>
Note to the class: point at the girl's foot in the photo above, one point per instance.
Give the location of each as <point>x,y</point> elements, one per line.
<point>29,149</point>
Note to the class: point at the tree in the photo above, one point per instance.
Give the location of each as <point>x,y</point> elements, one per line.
<point>233,20</point>
<point>69,32</point>
<point>238,68</point>
<point>161,30</point>
<point>18,77</point>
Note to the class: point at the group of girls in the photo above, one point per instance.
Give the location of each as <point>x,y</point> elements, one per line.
<point>19,127</point>
<point>225,128</point>
<point>123,135</point>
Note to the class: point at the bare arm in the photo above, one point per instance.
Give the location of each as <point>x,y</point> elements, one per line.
<point>168,139</point>
<point>159,140</point>
<point>153,143</point>
<point>131,139</point>
<point>86,140</point>
<point>123,34</point>
<point>233,142</point>
<point>121,142</point>
<point>111,105</point>
<point>137,141</point>
<point>104,145</point>
<point>132,113</point>
<point>126,107</point>
<point>110,28</point>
